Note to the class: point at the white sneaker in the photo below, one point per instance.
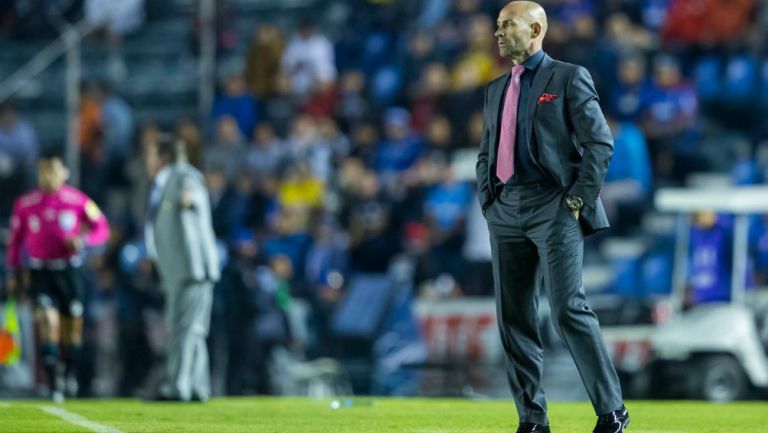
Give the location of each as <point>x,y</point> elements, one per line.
<point>58,397</point>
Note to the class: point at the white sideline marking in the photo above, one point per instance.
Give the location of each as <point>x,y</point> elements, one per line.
<point>78,420</point>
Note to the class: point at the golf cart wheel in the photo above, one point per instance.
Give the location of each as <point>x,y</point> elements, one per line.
<point>721,379</point>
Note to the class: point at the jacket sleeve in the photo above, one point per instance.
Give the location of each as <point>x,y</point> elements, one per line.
<point>197,236</point>
<point>190,204</point>
<point>98,232</point>
<point>592,133</point>
<point>481,168</point>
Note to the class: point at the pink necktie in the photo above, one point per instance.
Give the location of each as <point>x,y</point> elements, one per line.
<point>505,161</point>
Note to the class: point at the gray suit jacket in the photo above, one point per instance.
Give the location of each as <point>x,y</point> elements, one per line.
<point>183,233</point>
<point>569,139</point>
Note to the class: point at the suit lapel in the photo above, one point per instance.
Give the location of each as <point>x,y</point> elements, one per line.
<point>495,98</point>
<point>540,81</point>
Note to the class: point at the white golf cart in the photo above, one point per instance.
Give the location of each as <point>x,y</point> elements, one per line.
<point>713,351</point>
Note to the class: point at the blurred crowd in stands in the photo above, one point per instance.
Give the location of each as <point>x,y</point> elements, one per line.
<point>345,142</point>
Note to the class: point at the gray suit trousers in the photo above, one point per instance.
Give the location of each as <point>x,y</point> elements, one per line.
<point>187,318</point>
<point>534,236</point>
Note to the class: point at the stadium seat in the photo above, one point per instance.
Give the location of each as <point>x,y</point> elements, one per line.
<point>741,78</point>
<point>707,77</point>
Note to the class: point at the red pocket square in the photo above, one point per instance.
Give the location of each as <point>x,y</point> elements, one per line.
<point>547,97</point>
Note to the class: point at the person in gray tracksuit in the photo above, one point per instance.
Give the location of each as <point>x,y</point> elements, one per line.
<point>180,239</point>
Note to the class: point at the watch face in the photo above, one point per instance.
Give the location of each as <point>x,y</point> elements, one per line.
<point>575,202</point>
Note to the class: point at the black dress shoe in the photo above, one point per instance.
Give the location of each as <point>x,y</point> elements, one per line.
<point>614,422</point>
<point>528,427</point>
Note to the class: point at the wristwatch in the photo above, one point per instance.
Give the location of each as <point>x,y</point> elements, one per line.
<point>574,202</point>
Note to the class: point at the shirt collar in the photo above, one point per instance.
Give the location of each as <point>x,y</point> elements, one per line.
<point>533,62</point>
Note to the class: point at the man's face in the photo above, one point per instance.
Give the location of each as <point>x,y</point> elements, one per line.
<point>513,33</point>
<point>631,71</point>
<point>151,159</point>
<point>51,174</point>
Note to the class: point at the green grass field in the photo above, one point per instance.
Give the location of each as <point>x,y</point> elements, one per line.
<point>375,415</point>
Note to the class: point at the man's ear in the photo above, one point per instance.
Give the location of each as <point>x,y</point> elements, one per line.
<point>65,172</point>
<point>535,30</point>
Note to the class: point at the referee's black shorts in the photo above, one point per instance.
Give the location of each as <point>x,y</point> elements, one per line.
<point>58,288</point>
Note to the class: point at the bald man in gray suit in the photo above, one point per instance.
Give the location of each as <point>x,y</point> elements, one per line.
<point>542,160</point>
<point>181,241</point>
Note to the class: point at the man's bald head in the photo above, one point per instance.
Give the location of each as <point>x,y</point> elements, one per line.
<point>521,29</point>
<point>533,11</point>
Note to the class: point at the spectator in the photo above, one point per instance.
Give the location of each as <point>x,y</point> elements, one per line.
<point>235,101</point>
<point>18,140</point>
<point>620,38</point>
<point>18,156</point>
<point>421,53</point>
<point>627,184</point>
<point>365,138</point>
<point>138,297</point>
<point>272,329</point>
<point>474,130</point>
<point>336,140</point>
<point>705,22</point>
<point>91,127</point>
<point>430,95</point>
<point>327,262</point>
<point>309,61</point>
<point>232,204</point>
<point>306,145</point>
<point>669,121</point>
<point>263,61</point>
<point>432,12</point>
<point>94,159</point>
<point>136,176</point>
<point>477,61</point>
<point>289,238</point>
<point>235,314</point>
<point>580,46</point>
<point>353,107</point>
<point>630,94</point>
<point>439,137</point>
<point>265,154</point>
<point>445,212</point>
<point>228,148</point>
<point>400,148</point>
<point>373,240</point>
<point>709,272</point>
<point>301,190</point>
<point>216,181</point>
<point>116,18</point>
<point>118,125</point>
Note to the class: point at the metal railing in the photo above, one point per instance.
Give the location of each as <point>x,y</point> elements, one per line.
<point>67,45</point>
